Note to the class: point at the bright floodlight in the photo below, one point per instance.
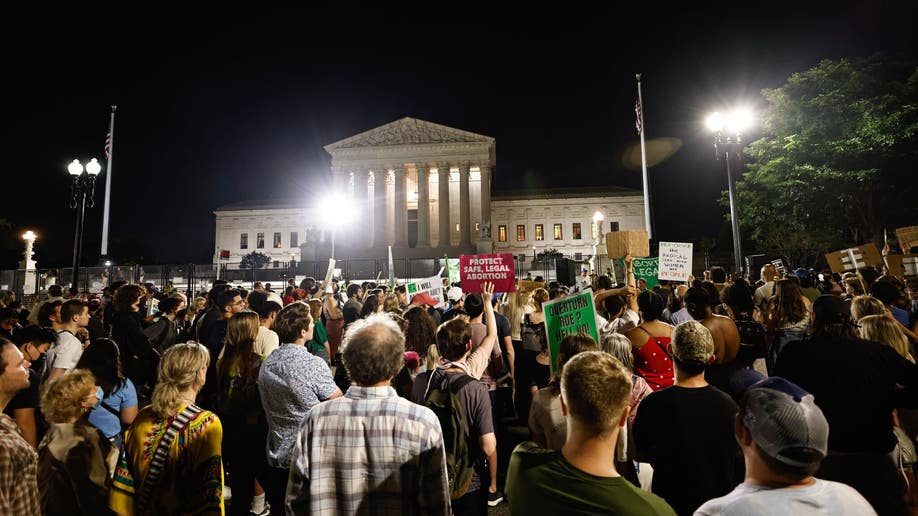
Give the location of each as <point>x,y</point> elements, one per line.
<point>715,122</point>
<point>75,168</point>
<point>28,235</point>
<point>739,120</point>
<point>93,167</point>
<point>597,216</point>
<point>108,263</point>
<point>333,212</point>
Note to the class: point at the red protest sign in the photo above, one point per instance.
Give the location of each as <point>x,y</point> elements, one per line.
<point>475,269</point>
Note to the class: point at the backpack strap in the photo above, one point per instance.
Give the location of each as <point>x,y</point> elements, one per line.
<point>161,454</point>
<point>655,339</point>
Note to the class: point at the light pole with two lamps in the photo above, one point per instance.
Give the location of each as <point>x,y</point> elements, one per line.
<point>81,197</point>
<point>728,143</point>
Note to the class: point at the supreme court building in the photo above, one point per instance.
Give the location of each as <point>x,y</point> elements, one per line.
<point>425,190</point>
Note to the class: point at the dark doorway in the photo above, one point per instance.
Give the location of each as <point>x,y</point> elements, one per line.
<point>412,228</point>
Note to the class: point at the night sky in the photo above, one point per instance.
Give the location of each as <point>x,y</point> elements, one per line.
<point>230,104</point>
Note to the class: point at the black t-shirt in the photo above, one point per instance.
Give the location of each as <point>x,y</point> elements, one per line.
<point>26,398</point>
<point>856,383</point>
<point>687,435</point>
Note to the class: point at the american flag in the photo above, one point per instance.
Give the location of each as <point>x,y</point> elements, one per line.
<point>108,145</point>
<point>639,117</point>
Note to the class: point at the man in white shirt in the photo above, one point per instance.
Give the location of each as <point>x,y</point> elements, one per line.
<point>65,353</point>
<point>784,438</point>
<point>764,293</point>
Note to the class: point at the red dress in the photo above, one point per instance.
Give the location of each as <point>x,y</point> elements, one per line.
<point>653,363</point>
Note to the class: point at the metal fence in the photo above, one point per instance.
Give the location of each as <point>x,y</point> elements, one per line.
<point>194,278</point>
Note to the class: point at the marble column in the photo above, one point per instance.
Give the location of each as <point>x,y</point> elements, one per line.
<point>443,200</point>
<point>464,222</point>
<point>401,207</point>
<point>360,207</point>
<point>423,205</point>
<point>485,191</point>
<point>380,221</point>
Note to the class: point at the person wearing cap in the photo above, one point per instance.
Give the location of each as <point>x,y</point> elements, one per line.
<point>456,299</point>
<point>422,299</point>
<point>581,477</point>
<point>857,384</point>
<point>686,431</point>
<point>784,437</point>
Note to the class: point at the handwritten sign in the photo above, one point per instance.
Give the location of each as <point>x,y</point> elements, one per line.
<point>569,316</point>
<point>675,261</point>
<point>475,269</point>
<point>433,286</point>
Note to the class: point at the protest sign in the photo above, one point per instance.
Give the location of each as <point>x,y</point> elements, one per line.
<point>675,261</point>
<point>329,274</point>
<point>850,259</point>
<point>903,265</point>
<point>908,238</point>
<point>529,285</point>
<point>779,266</point>
<point>433,286</point>
<point>646,269</point>
<point>621,243</point>
<point>475,269</point>
<point>569,316</point>
<point>452,267</point>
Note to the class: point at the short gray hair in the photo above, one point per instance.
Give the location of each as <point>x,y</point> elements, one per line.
<point>620,347</point>
<point>373,350</point>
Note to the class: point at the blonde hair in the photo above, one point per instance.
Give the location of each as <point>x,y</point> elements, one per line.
<point>391,304</point>
<point>62,401</point>
<point>882,329</point>
<point>862,306</point>
<point>514,309</point>
<point>178,370</point>
<point>539,296</point>
<point>596,388</point>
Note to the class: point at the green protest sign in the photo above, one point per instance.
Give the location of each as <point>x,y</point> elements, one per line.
<point>569,316</point>
<point>646,269</point>
<point>452,267</point>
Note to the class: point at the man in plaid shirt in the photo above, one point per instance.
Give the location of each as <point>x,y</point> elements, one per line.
<point>18,461</point>
<point>370,451</point>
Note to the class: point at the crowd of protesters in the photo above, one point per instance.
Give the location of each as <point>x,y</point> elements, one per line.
<point>793,394</point>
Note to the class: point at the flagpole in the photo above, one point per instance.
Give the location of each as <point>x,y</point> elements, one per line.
<point>640,115</point>
<point>109,152</point>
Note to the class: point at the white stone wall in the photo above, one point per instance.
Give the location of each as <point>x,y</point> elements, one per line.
<point>231,224</point>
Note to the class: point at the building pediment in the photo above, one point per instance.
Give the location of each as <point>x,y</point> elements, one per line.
<point>408,132</point>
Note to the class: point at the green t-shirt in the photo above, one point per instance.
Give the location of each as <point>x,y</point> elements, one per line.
<point>318,337</point>
<point>542,481</point>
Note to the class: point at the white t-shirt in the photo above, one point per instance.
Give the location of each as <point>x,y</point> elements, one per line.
<point>763,294</point>
<point>266,341</point>
<point>63,354</point>
<point>823,497</point>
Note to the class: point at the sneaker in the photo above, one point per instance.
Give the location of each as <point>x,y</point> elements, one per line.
<point>495,498</point>
<point>265,512</point>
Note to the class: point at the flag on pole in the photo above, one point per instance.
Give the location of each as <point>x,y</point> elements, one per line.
<point>108,145</point>
<point>639,111</point>
<point>639,117</point>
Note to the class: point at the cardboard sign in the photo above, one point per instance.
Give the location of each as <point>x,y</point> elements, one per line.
<point>529,285</point>
<point>850,259</point>
<point>569,316</point>
<point>433,286</point>
<point>646,269</point>
<point>621,243</point>
<point>675,261</point>
<point>903,265</point>
<point>475,269</point>
<point>908,238</point>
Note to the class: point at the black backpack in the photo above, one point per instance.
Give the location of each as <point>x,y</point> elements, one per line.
<point>752,340</point>
<point>442,398</point>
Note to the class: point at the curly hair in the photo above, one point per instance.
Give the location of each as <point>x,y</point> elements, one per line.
<point>539,296</point>
<point>422,331</point>
<point>124,298</point>
<point>62,401</point>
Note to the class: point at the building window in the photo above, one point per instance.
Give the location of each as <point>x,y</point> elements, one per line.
<point>244,241</point>
<point>577,234</point>
<point>277,240</point>
<point>260,241</point>
<point>558,234</point>
<point>520,233</point>
<point>294,239</point>
<point>502,233</point>
<point>613,227</point>
<point>477,226</point>
<point>540,232</point>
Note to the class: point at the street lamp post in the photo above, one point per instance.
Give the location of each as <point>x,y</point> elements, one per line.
<point>597,229</point>
<point>81,197</point>
<point>728,142</point>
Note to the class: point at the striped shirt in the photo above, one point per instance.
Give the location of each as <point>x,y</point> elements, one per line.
<point>369,452</point>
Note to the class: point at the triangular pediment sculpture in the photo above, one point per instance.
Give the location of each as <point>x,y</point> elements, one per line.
<point>408,131</point>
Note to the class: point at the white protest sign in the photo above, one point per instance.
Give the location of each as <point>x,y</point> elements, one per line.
<point>433,286</point>
<point>675,261</point>
<point>329,273</point>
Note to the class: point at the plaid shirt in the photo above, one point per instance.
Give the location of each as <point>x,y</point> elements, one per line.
<point>369,452</point>
<point>18,471</point>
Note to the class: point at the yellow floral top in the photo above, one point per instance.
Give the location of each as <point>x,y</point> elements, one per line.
<point>192,478</point>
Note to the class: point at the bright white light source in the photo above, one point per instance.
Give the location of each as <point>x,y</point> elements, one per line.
<point>75,168</point>
<point>597,216</point>
<point>715,122</point>
<point>93,167</point>
<point>739,120</point>
<point>28,235</point>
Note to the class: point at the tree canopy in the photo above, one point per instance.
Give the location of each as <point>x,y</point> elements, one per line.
<point>254,260</point>
<point>837,160</point>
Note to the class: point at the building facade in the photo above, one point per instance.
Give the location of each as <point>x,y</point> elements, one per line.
<point>425,190</point>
